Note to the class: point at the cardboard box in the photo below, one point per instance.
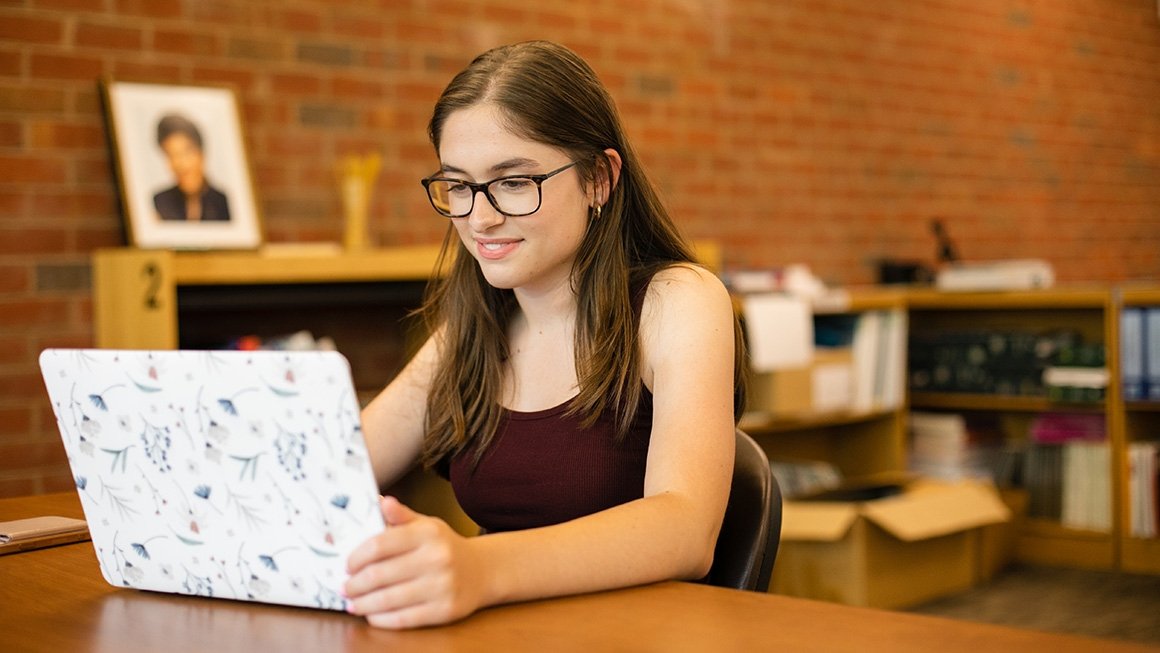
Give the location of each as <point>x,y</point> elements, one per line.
<point>825,384</point>
<point>888,553</point>
<point>997,542</point>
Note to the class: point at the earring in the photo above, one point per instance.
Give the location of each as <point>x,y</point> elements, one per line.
<point>596,212</point>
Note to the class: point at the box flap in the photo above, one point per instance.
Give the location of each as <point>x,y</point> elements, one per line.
<point>934,510</point>
<point>817,521</point>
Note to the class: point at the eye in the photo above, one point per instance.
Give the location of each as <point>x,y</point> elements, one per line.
<point>457,188</point>
<point>516,185</point>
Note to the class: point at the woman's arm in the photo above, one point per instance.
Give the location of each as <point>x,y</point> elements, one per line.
<point>394,421</point>
<point>419,572</point>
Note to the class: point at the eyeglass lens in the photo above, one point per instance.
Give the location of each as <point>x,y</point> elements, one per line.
<point>511,196</point>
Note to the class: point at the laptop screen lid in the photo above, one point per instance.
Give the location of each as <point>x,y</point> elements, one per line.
<point>225,474</point>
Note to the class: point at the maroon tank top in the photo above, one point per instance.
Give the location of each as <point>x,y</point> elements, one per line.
<point>543,468</point>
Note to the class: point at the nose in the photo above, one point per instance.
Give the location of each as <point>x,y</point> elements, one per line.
<point>483,215</point>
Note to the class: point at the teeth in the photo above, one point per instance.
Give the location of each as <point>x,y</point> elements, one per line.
<point>492,246</point>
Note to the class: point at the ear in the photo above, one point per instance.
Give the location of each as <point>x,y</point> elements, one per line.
<point>603,185</point>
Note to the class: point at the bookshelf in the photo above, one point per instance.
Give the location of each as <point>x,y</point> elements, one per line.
<point>1007,317</point>
<point>860,442</point>
<point>1140,423</point>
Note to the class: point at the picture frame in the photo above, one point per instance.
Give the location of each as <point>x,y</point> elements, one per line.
<point>181,165</point>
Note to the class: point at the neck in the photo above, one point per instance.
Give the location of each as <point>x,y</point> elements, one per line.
<point>547,310</point>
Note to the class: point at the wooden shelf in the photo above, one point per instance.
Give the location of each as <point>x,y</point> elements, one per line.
<point>1139,555</point>
<point>767,423</point>
<point>1050,543</point>
<point>1135,295</point>
<point>1063,298</point>
<point>298,265</point>
<point>858,300</point>
<point>968,401</point>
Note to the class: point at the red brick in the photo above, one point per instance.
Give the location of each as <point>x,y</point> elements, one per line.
<point>300,84</point>
<point>29,169</point>
<point>59,135</point>
<point>299,20</point>
<point>92,170</point>
<point>150,8</point>
<point>15,27</point>
<point>72,5</point>
<point>161,73</point>
<point>23,313</point>
<point>186,42</point>
<point>15,278</point>
<point>23,98</point>
<point>239,78</point>
<point>112,37</point>
<point>73,203</point>
<point>11,134</point>
<point>56,66</point>
<point>11,63</point>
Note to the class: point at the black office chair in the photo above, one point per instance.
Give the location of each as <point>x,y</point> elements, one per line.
<point>751,530</point>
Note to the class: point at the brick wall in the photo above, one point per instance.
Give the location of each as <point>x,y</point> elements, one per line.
<point>819,131</point>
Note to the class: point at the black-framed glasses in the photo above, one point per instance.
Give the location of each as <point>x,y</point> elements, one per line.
<point>513,196</point>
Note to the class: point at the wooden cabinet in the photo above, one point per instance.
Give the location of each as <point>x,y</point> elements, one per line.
<point>158,299</point>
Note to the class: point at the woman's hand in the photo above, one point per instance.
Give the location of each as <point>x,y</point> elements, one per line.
<point>417,572</point>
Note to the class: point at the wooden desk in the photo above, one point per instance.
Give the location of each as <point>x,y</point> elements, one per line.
<point>55,600</point>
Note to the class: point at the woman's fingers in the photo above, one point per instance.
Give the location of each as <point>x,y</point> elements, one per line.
<point>382,573</point>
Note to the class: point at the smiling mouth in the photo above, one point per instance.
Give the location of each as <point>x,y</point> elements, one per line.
<point>495,249</point>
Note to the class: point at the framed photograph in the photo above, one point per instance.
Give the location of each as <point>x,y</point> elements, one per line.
<point>181,166</point>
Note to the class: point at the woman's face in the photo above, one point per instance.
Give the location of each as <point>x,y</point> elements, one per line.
<point>185,159</point>
<point>532,253</point>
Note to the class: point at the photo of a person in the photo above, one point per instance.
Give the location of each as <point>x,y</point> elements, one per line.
<point>192,198</point>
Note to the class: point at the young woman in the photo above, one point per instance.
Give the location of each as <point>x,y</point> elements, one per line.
<point>581,382</point>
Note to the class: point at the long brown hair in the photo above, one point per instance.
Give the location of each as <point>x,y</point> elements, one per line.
<point>548,94</point>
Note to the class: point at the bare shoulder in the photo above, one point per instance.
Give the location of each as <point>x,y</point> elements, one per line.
<point>684,301</point>
<point>685,287</point>
<point>686,324</point>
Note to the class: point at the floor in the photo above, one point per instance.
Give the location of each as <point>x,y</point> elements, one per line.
<point>1094,603</point>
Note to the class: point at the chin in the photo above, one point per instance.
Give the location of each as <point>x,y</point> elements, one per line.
<point>500,281</point>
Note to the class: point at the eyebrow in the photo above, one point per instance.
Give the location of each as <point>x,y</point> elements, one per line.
<point>499,168</point>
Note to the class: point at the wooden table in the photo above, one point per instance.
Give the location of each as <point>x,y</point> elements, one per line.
<point>55,600</point>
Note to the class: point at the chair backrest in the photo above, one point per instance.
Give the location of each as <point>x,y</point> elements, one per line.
<point>751,530</point>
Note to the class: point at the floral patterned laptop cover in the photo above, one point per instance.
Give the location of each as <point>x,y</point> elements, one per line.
<point>226,474</point>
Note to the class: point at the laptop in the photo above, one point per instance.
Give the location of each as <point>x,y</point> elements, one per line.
<point>225,474</point>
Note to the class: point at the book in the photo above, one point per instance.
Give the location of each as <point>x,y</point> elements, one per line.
<point>1132,370</point>
<point>1086,486</point>
<point>952,447</point>
<point>879,354</point>
<point>1151,347</point>
<point>1144,504</point>
<point>1042,474</point>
